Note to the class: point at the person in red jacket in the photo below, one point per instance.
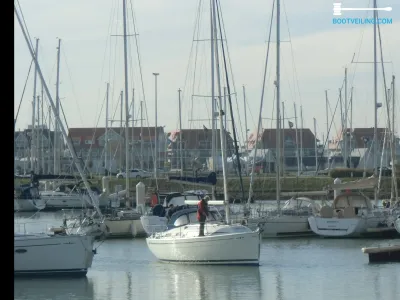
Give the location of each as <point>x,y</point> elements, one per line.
<point>202,213</point>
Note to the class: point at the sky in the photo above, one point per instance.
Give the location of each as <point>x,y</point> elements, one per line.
<point>314,54</point>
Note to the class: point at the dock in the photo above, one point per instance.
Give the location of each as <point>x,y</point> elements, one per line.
<point>383,254</point>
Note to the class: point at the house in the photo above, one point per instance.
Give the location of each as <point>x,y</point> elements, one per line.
<point>90,143</point>
<point>267,140</point>
<point>22,147</point>
<point>196,146</point>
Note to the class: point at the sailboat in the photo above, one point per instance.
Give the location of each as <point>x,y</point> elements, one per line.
<point>56,253</point>
<point>286,221</point>
<point>222,243</point>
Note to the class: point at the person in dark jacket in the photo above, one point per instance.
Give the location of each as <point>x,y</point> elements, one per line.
<point>202,213</point>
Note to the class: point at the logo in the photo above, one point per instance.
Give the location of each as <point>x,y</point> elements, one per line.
<point>338,9</point>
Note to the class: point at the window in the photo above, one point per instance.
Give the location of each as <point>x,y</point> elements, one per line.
<point>182,220</point>
<point>193,218</point>
<point>89,142</point>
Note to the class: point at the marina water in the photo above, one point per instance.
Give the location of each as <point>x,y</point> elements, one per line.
<point>300,268</point>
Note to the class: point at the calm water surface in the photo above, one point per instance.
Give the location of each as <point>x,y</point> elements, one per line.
<point>309,269</point>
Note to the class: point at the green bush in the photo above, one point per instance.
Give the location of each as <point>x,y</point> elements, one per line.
<point>348,173</point>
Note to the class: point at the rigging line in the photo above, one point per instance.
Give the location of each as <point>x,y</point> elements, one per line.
<point>231,73</point>
<point>23,92</point>
<point>26,27</point>
<point>383,74</point>
<point>142,84</point>
<point>113,89</point>
<point>196,30</point>
<point>67,128</point>
<point>94,133</point>
<point>259,121</point>
<point>326,141</point>
<point>70,78</point>
<point>292,54</point>
<point>358,56</point>
<point>230,104</point>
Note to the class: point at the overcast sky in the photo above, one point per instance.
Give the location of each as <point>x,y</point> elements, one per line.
<point>314,54</point>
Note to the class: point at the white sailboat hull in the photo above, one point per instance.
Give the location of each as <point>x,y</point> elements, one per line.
<point>281,226</point>
<point>59,200</point>
<point>41,254</point>
<point>124,228</point>
<point>153,224</point>
<point>346,227</point>
<point>29,204</point>
<point>97,229</point>
<point>238,245</point>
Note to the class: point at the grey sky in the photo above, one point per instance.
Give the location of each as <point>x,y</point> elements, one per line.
<point>321,50</point>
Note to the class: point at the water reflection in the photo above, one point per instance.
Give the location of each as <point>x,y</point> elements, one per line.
<point>213,282</point>
<point>53,288</point>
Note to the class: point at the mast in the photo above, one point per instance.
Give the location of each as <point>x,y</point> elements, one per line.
<point>283,140</point>
<point>327,114</point>
<point>141,135</point>
<point>351,126</point>
<point>106,134</point>
<point>180,132</point>
<point>222,132</point>
<point>278,98</point>
<point>394,192</point>
<point>301,137</point>
<point>42,133</point>
<point>245,120</point>
<point>56,142</point>
<point>120,129</point>
<point>38,158</point>
<point>315,146</point>
<point>213,135</point>
<point>49,145</point>
<point>132,156</point>
<point>126,107</point>
<point>63,131</point>
<point>155,129</point>
<point>375,104</point>
<point>33,139</point>
<point>345,154</point>
<point>297,141</point>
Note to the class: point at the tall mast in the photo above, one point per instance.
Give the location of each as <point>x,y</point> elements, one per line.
<point>141,135</point>
<point>37,144</point>
<point>301,137</point>
<point>327,115</point>
<point>120,127</point>
<point>57,115</point>
<point>126,107</point>
<point>222,131</point>
<point>42,132</point>
<point>64,132</point>
<point>315,146</point>
<point>213,135</point>
<point>283,140</point>
<point>394,192</point>
<point>245,119</point>
<point>132,156</point>
<point>297,141</point>
<point>33,139</point>
<point>375,104</point>
<point>180,132</point>
<point>278,98</point>
<point>345,154</point>
<point>106,134</point>
<point>351,127</point>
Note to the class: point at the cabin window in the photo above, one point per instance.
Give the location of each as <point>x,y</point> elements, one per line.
<point>193,218</point>
<point>182,220</point>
